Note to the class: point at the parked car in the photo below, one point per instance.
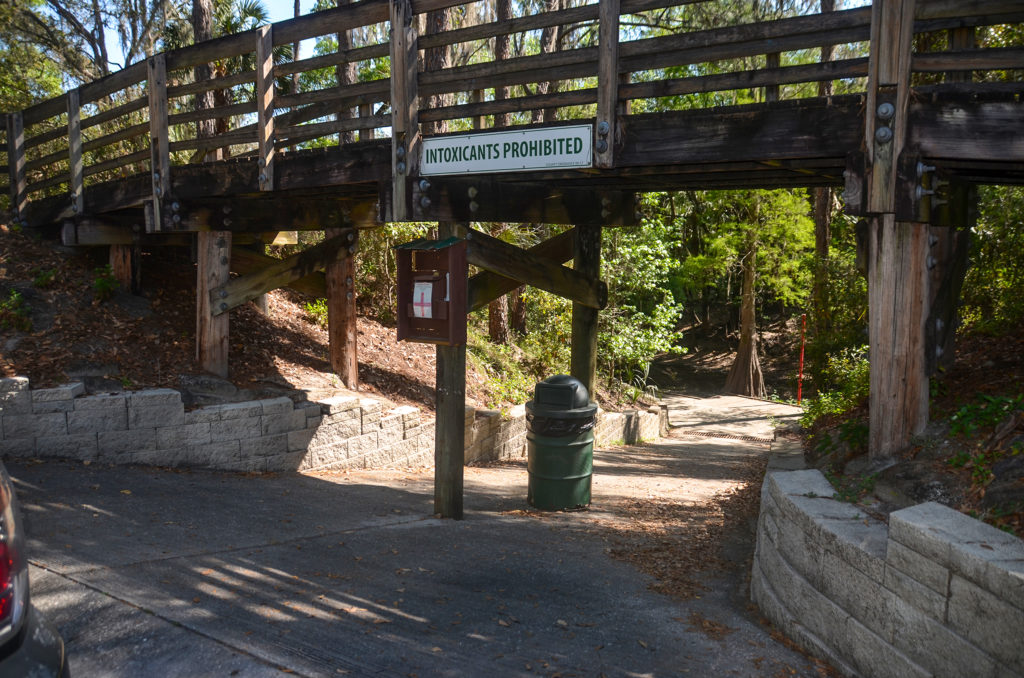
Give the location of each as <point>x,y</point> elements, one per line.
<point>29,644</point>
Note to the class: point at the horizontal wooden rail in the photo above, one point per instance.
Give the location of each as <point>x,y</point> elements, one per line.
<point>294,134</point>
<point>333,59</point>
<point>1003,58</point>
<point>116,163</point>
<point>48,159</point>
<point>44,184</point>
<point>787,75</point>
<point>212,113</point>
<point>115,112</point>
<point>52,135</point>
<point>222,82</point>
<point>362,92</point>
<point>578,97</point>
<point>533,22</point>
<point>121,135</point>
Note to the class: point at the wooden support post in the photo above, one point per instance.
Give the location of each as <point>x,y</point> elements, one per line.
<point>75,166</point>
<point>476,97</point>
<point>961,38</point>
<point>583,358</point>
<point>771,92</point>
<point>607,83</point>
<point>122,264</point>
<point>341,312</point>
<point>212,267</point>
<point>265,106</point>
<point>405,137</point>
<point>897,307</point>
<point>159,143</point>
<point>450,418</point>
<point>365,111</point>
<point>897,251</point>
<point>16,165</point>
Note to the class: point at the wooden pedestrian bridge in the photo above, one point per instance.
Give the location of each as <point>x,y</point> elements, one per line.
<point>418,110</point>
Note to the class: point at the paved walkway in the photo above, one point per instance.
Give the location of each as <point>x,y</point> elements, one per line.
<point>162,573</point>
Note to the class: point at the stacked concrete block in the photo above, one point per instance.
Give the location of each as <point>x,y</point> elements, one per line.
<point>277,434</point>
<point>936,593</point>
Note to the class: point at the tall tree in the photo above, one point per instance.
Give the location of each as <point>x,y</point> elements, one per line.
<point>202,29</point>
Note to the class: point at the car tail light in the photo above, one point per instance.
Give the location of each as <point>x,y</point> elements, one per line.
<point>13,567</point>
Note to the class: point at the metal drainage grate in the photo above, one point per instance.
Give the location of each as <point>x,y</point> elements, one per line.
<point>728,436</point>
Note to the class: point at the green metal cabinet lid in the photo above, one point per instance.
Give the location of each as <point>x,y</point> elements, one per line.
<point>562,397</point>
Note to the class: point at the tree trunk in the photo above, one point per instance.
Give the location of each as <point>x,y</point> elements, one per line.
<point>202,29</point>
<point>346,75</point>
<point>548,43</point>
<point>497,320</point>
<point>745,377</point>
<point>519,311</point>
<point>497,310</point>
<point>821,313</point>
<point>501,52</point>
<point>437,59</point>
<point>295,49</point>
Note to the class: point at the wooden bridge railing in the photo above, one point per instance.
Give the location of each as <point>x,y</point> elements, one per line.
<point>142,119</point>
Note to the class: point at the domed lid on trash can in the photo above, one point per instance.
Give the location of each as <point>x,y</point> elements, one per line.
<point>561,397</point>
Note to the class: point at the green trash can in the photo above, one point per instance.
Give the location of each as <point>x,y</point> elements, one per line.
<point>560,444</point>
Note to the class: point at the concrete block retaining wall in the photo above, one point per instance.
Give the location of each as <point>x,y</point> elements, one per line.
<point>934,593</point>
<point>278,434</point>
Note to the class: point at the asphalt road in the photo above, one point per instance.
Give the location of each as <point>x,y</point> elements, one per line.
<point>150,572</point>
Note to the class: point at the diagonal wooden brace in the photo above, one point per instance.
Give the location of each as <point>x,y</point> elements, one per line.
<point>512,262</point>
<point>486,286</point>
<point>298,266</point>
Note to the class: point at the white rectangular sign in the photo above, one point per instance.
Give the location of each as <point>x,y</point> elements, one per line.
<point>509,151</point>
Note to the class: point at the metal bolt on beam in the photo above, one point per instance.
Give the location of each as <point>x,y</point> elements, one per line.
<point>931,262</point>
<point>883,135</point>
<point>223,307</point>
<point>923,169</point>
<point>472,192</point>
<point>603,128</point>
<point>223,294</point>
<point>885,111</point>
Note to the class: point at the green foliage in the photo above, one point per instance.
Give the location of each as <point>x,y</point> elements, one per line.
<point>508,381</point>
<point>848,372</point>
<point>43,278</point>
<point>851,488</point>
<point>375,284</point>
<point>104,285</point>
<point>991,299</point>
<point>14,312</point>
<point>984,413</point>
<point>317,310</point>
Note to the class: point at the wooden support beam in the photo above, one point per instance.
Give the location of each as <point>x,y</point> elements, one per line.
<point>512,262</point>
<point>245,262</point>
<point>450,417</point>
<point>75,165</point>
<point>212,271</point>
<point>606,131</point>
<point>487,199</point>
<point>16,165</point>
<point>485,287</point>
<point>243,214</point>
<point>159,142</point>
<point>235,292</point>
<point>405,135</point>
<point>342,336</point>
<point>587,264</point>
<point>265,106</point>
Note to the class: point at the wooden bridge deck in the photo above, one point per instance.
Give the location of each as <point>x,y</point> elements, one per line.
<point>109,148</point>
<point>904,103</point>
